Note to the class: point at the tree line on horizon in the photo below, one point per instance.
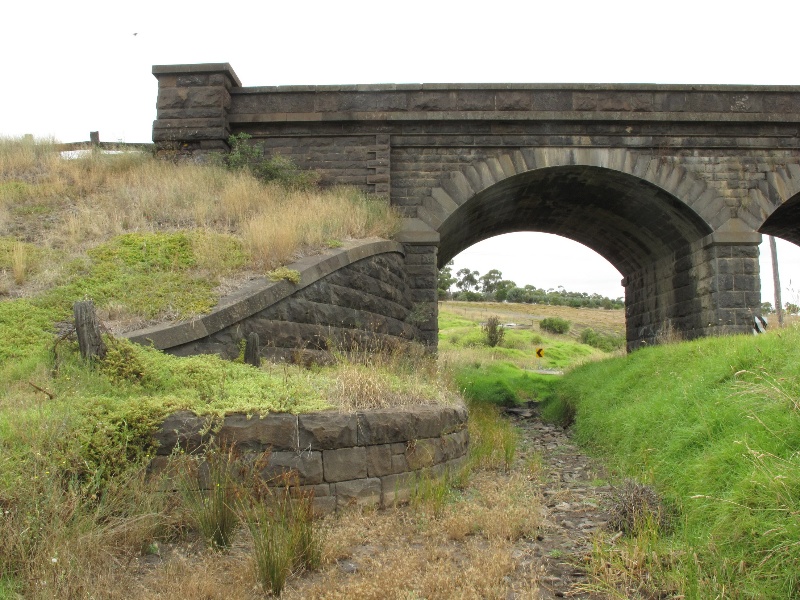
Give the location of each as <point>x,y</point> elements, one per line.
<point>491,287</point>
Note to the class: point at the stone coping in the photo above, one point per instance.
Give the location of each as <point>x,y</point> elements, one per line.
<point>579,87</point>
<point>198,69</point>
<point>371,457</point>
<point>261,293</point>
<point>498,115</point>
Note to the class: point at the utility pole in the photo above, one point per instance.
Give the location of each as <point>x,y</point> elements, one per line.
<point>776,280</point>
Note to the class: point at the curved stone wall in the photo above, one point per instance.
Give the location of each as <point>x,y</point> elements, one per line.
<point>353,297</point>
<point>366,458</point>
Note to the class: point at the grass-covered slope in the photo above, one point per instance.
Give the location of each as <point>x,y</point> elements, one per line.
<point>714,425</point>
<point>147,240</point>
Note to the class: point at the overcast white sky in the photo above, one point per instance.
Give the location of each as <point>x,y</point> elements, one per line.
<point>80,66</point>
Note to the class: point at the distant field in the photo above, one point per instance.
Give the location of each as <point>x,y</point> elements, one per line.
<point>529,315</point>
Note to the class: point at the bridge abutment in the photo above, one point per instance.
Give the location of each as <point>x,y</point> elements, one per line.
<point>422,274</point>
<point>713,288</point>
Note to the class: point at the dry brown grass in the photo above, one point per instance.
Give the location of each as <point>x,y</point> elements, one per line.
<point>464,553</point>
<point>70,205</point>
<point>206,575</point>
<point>405,376</point>
<point>471,548</point>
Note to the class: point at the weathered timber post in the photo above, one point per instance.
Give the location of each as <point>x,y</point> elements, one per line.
<point>94,137</point>
<point>252,350</point>
<point>88,329</point>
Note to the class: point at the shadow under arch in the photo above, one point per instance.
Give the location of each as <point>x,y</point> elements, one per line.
<point>631,222</point>
<point>784,222</point>
<point>654,239</point>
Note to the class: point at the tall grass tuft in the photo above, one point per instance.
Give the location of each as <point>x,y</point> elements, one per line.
<point>285,538</point>
<point>493,441</point>
<point>211,494</point>
<point>19,262</point>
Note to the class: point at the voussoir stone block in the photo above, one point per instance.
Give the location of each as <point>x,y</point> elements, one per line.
<point>344,463</point>
<point>327,430</point>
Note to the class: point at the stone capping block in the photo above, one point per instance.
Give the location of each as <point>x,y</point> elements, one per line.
<point>369,457</point>
<point>198,69</point>
<point>182,430</point>
<point>260,294</point>
<point>387,426</point>
<point>327,430</point>
<point>274,431</point>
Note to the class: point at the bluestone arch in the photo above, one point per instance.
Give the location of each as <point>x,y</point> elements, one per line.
<point>533,180</point>
<point>718,165</point>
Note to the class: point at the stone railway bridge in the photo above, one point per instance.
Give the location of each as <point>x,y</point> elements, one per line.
<point>672,184</point>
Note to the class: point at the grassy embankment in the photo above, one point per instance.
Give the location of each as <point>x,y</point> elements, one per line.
<point>714,426</point>
<point>148,241</point>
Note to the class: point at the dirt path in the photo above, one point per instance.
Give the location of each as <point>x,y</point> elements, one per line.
<point>574,494</point>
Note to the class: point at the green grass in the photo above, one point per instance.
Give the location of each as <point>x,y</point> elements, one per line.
<point>148,275</point>
<point>714,425</point>
<point>502,383</point>
<point>504,375</point>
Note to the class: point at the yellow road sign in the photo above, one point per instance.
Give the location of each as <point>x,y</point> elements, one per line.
<point>540,353</point>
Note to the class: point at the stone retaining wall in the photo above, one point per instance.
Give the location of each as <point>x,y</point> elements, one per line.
<point>366,458</point>
<point>357,297</point>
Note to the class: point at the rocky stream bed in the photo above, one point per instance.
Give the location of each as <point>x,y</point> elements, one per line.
<point>575,495</point>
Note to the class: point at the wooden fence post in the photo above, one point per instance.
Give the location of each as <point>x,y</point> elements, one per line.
<point>252,350</point>
<point>88,329</point>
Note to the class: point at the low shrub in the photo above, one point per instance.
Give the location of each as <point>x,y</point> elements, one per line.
<point>493,331</point>
<point>555,325</point>
<point>601,341</point>
<point>636,506</point>
<point>279,169</point>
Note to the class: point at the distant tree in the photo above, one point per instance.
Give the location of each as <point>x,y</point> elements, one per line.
<point>503,286</point>
<point>490,280</point>
<point>766,308</point>
<point>516,294</point>
<point>467,280</point>
<point>792,309</point>
<point>446,280</point>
